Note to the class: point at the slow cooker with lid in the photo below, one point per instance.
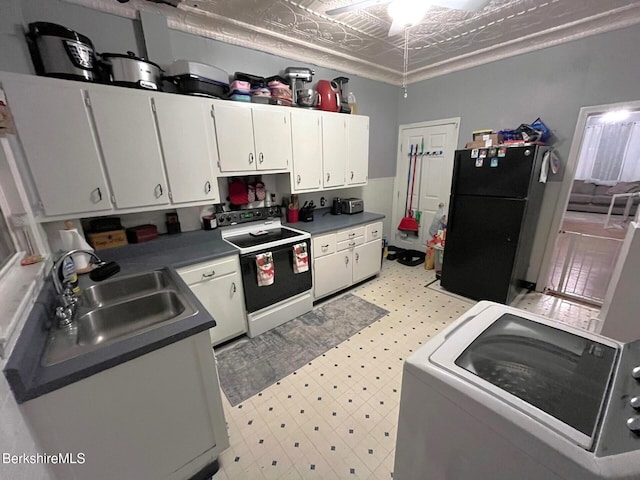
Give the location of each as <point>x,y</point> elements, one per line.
<point>128,70</point>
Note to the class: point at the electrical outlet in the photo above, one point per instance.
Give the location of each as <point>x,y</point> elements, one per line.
<point>323,201</point>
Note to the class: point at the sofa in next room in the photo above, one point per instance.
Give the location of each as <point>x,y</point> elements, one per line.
<point>595,198</point>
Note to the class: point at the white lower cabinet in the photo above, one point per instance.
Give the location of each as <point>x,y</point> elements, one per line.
<point>218,286</point>
<point>331,273</point>
<point>366,260</point>
<point>159,415</point>
<point>345,257</point>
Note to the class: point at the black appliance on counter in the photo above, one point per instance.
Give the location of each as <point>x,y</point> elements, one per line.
<point>336,206</point>
<point>495,202</point>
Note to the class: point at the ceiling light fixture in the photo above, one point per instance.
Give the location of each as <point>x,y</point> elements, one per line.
<point>408,13</point>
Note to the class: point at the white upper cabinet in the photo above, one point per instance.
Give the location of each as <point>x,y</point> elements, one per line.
<point>62,154</point>
<point>252,138</point>
<point>129,141</point>
<point>306,135</point>
<point>234,134</point>
<point>358,150</point>
<point>272,134</point>
<point>188,145</point>
<point>334,149</point>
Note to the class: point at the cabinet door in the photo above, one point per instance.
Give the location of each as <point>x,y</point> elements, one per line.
<point>367,260</point>
<point>272,134</point>
<point>306,136</point>
<point>334,149</point>
<point>222,297</point>
<point>358,150</point>
<point>129,141</point>
<point>55,131</point>
<point>188,144</point>
<point>331,273</point>
<point>234,134</point>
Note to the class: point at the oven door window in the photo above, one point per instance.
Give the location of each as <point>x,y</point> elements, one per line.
<point>560,373</point>
<point>286,283</point>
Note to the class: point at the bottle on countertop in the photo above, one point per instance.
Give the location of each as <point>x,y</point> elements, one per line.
<point>72,240</point>
<point>351,99</point>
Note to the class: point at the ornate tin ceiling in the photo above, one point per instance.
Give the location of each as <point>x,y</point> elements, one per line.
<point>357,42</point>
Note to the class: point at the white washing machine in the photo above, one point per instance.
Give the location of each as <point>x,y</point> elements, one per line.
<point>503,394</point>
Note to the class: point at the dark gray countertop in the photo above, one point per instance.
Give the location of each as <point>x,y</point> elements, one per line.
<point>324,222</point>
<point>29,379</point>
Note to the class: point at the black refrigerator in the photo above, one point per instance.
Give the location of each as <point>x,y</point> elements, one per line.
<point>496,196</point>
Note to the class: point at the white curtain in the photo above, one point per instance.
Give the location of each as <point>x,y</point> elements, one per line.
<point>631,166</point>
<point>610,153</point>
<point>588,151</point>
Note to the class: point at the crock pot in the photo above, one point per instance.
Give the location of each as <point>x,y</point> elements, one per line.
<point>129,70</point>
<point>58,51</point>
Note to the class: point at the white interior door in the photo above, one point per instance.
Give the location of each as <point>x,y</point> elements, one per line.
<point>436,143</point>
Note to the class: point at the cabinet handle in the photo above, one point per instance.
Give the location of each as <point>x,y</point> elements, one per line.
<point>328,176</point>
<point>261,157</point>
<point>97,189</point>
<point>346,260</point>
<point>158,189</point>
<point>209,275</point>
<point>233,289</point>
<point>250,158</point>
<point>207,186</point>
<point>357,257</point>
<point>352,234</point>
<point>299,179</point>
<point>325,248</point>
<point>351,174</point>
<point>374,233</point>
<point>352,244</point>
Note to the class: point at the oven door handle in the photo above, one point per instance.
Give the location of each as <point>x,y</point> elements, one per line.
<point>277,248</point>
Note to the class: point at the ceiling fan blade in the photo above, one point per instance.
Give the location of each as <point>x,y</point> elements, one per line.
<point>468,5</point>
<point>396,29</point>
<point>355,6</point>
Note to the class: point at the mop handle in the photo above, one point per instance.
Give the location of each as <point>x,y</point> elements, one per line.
<point>413,181</point>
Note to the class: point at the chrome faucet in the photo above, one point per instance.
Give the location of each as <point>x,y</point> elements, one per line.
<point>68,300</point>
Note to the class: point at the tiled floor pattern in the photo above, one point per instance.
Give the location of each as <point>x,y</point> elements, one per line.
<point>336,417</point>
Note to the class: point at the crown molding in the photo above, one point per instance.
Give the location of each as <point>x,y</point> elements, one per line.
<point>234,32</point>
<point>605,22</point>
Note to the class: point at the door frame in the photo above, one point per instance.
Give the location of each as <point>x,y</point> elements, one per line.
<point>567,182</point>
<point>398,184</point>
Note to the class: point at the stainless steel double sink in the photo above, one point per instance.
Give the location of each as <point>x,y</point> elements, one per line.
<point>117,309</point>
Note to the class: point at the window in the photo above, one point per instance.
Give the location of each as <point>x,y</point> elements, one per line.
<point>7,248</point>
<point>610,152</point>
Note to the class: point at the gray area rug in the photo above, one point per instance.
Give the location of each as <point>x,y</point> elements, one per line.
<point>250,366</point>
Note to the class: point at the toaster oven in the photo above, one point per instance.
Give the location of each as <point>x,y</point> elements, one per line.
<point>352,205</point>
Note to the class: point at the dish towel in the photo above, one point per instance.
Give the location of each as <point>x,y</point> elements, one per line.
<point>300,258</point>
<point>266,271</point>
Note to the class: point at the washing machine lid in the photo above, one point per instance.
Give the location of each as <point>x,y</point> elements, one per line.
<point>552,372</point>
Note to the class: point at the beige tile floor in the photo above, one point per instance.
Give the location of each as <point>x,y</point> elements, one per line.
<point>336,417</point>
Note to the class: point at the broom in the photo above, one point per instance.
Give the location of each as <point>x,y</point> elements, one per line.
<point>408,223</point>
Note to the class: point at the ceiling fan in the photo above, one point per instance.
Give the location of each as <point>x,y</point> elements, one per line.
<point>407,13</point>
